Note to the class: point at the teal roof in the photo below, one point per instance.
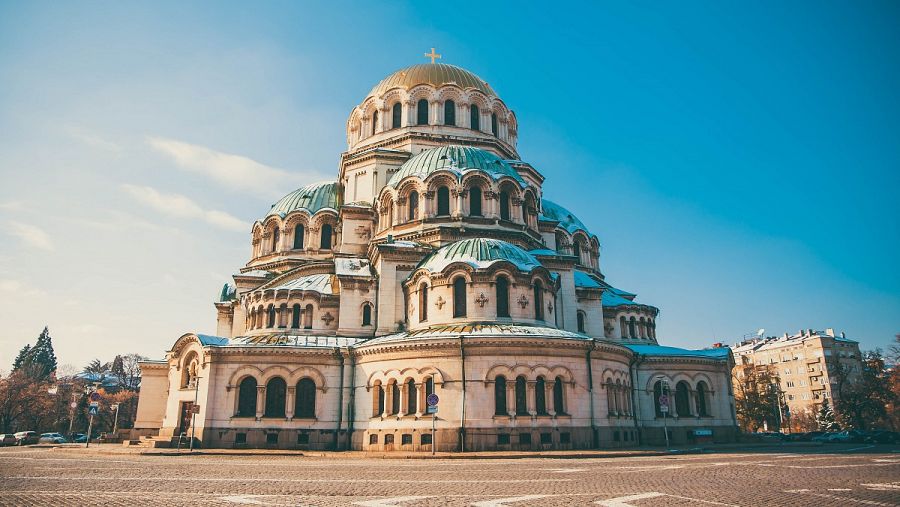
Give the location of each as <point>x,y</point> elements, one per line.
<point>459,160</point>
<point>586,281</point>
<point>227,293</point>
<point>721,353</point>
<point>312,198</point>
<point>215,341</point>
<point>611,299</point>
<point>479,253</point>
<point>321,283</point>
<point>566,219</point>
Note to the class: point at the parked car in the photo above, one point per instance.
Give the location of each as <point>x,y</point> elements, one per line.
<point>882,437</point>
<point>52,438</point>
<point>824,437</point>
<point>810,435</point>
<point>7,439</point>
<point>27,438</point>
<point>79,438</point>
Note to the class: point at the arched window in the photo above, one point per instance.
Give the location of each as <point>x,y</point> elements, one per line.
<point>622,327</point>
<point>299,232</point>
<point>276,237</point>
<point>631,328</point>
<point>396,114</point>
<point>502,296</point>
<point>559,402</point>
<point>423,302</point>
<point>411,397</point>
<point>657,392</point>
<point>474,117</point>
<point>295,316</point>
<point>618,397</point>
<point>610,397</point>
<point>459,297</point>
<point>500,396</point>
<point>325,243</point>
<point>378,400</point>
<point>494,123</point>
<point>260,315</point>
<point>413,206</point>
<point>580,317</point>
<point>443,201</point>
<point>475,201</point>
<point>367,315</point>
<point>540,396</point>
<point>538,300</point>
<point>422,112</point>
<point>395,398</point>
<point>682,399</point>
<point>374,122</point>
<point>521,396</point>
<point>305,406</point>
<point>271,321</point>
<point>576,251</point>
<point>429,386</point>
<point>308,316</point>
<point>275,396</point>
<point>504,206</point>
<point>247,398</point>
<point>449,113</point>
<point>642,328</point>
<point>702,411</point>
<point>189,370</point>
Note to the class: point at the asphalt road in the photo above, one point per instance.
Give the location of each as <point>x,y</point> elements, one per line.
<point>826,476</point>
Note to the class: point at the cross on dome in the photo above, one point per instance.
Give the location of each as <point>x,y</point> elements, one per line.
<point>432,55</point>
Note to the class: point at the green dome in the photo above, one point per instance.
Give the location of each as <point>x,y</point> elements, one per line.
<point>457,159</point>
<point>311,198</point>
<point>566,219</point>
<point>479,253</point>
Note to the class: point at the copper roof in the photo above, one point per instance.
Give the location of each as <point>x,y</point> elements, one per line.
<point>434,74</point>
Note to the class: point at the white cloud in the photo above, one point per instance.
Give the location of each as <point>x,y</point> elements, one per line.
<point>177,205</point>
<point>93,140</point>
<point>31,235</point>
<point>233,171</point>
<point>10,285</point>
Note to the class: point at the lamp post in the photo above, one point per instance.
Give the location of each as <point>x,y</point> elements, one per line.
<point>87,441</point>
<point>116,421</point>
<point>194,411</point>
<point>664,391</point>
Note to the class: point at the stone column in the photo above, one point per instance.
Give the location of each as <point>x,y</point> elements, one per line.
<point>404,399</point>
<point>420,398</point>
<point>434,108</point>
<point>548,397</point>
<point>388,400</point>
<point>530,399</point>
<point>289,402</point>
<point>458,212</point>
<point>511,398</point>
<point>260,401</point>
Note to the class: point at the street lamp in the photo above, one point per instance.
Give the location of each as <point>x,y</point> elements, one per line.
<point>664,391</point>
<point>116,421</point>
<point>194,411</point>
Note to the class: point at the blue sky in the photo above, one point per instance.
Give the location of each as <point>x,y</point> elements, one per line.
<point>740,163</point>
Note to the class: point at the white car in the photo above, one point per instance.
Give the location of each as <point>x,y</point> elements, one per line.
<point>52,438</point>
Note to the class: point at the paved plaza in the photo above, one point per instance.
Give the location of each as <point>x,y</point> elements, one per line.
<point>845,476</point>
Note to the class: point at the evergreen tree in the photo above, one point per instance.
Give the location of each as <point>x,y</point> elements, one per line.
<point>825,418</point>
<point>38,362</point>
<point>20,359</point>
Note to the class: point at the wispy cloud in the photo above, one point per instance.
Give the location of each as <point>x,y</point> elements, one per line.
<point>93,140</point>
<point>32,235</point>
<point>233,171</point>
<point>177,205</point>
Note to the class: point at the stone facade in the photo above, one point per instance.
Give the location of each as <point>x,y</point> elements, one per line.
<point>433,265</point>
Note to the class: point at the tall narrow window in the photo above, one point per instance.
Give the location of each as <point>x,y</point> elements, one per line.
<point>411,396</point>
<point>276,237</point>
<point>475,201</point>
<point>374,122</point>
<point>378,399</point>
<point>271,319</point>
<point>580,316</point>
<point>500,396</point>
<point>395,398</point>
<point>450,113</point>
<point>631,328</point>
<point>521,396</point>
<point>413,206</point>
<point>538,300</point>
<point>502,296</point>
<point>559,401</point>
<point>305,406</point>
<point>396,114</point>
<point>494,123</point>
<point>682,399</point>
<point>423,303</point>
<point>474,117</point>
<point>367,315</point>
<point>429,386</point>
<point>576,251</point>
<point>610,397</point>
<point>275,396</point>
<point>443,201</point>
<point>459,297</point>
<point>701,399</point>
<point>540,396</point>
<point>657,393</point>
<point>299,232</point>
<point>247,398</point>
<point>504,205</point>
<point>422,112</point>
<point>326,237</point>
<point>295,316</point>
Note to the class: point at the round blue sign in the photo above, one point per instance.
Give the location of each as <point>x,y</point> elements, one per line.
<point>432,400</point>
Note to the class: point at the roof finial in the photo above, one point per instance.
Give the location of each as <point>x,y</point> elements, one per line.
<point>432,55</point>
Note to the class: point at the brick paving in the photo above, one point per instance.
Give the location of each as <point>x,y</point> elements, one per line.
<point>820,477</point>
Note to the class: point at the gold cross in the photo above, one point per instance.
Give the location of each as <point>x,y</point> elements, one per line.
<point>432,55</point>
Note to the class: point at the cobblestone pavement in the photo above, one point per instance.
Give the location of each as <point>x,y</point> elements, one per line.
<point>829,476</point>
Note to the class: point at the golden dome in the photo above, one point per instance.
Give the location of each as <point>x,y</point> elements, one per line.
<point>434,74</point>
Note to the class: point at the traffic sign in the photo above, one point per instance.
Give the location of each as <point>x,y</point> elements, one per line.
<point>73,404</point>
<point>95,396</point>
<point>432,400</point>
<point>664,409</point>
<point>195,409</point>
<point>663,400</point>
<point>94,410</point>
<point>95,404</point>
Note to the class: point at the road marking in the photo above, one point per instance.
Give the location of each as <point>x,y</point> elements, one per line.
<point>622,501</point>
<point>882,487</point>
<point>503,501</point>
<point>244,499</point>
<point>849,499</point>
<point>796,490</point>
<point>389,502</point>
<point>567,470</point>
<point>270,479</point>
<point>839,489</point>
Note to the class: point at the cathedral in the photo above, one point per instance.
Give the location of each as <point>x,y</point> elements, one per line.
<point>431,297</point>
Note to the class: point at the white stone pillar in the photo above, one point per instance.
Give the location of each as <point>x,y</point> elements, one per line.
<point>289,402</point>
<point>260,401</point>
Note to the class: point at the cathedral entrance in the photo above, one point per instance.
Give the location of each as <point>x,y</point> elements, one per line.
<point>184,420</point>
